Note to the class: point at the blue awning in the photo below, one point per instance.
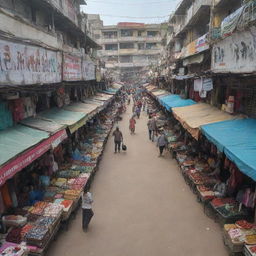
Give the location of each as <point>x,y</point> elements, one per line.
<point>237,139</point>
<point>174,101</point>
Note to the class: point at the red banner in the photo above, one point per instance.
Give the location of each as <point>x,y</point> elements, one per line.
<point>9,170</point>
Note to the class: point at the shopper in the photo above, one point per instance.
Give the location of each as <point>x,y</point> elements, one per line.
<point>162,142</point>
<point>87,209</point>
<point>138,109</point>
<point>132,125</point>
<point>155,129</point>
<point>118,138</point>
<point>150,128</point>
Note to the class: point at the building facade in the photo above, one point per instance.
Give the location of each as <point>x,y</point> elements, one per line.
<point>129,48</point>
<point>211,44</point>
<point>46,56</point>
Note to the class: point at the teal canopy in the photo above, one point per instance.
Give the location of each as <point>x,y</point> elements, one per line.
<point>174,101</point>
<point>17,139</point>
<point>61,116</point>
<point>237,139</point>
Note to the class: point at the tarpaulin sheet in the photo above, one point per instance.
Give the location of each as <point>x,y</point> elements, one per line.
<point>150,88</point>
<point>17,139</point>
<point>160,93</point>
<point>174,101</point>
<point>102,96</point>
<point>194,116</point>
<point>237,139</point>
<point>87,109</point>
<point>44,125</point>
<point>117,86</point>
<point>64,117</point>
<point>110,91</point>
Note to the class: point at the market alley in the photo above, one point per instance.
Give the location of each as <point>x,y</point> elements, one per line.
<point>142,207</point>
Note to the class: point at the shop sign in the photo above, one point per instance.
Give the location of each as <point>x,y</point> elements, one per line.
<point>88,70</point>
<point>72,67</point>
<point>201,44</point>
<point>22,64</point>
<point>207,84</point>
<point>235,54</point>
<point>9,170</point>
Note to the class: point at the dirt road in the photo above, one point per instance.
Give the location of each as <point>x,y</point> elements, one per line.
<point>142,208</point>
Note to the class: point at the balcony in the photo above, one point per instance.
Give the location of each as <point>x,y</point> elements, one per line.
<point>108,40</point>
<point>108,53</point>
<point>66,9</point>
<point>195,14</point>
<point>25,30</point>
<point>127,51</point>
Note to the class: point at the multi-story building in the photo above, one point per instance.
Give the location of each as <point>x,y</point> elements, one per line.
<point>212,43</point>
<point>129,48</point>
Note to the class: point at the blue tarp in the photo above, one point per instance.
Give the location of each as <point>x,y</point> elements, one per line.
<point>237,139</point>
<point>174,101</point>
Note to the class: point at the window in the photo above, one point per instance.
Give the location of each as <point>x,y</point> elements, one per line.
<point>151,45</point>
<point>110,34</point>
<point>152,33</point>
<point>141,46</point>
<point>140,33</point>
<point>126,46</point>
<point>111,47</point>
<point>126,59</point>
<point>126,32</point>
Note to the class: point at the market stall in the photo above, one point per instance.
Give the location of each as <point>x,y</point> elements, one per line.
<point>194,116</point>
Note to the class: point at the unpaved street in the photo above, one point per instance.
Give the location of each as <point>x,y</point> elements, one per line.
<point>142,208</point>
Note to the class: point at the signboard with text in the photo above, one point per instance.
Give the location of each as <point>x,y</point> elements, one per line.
<point>23,64</point>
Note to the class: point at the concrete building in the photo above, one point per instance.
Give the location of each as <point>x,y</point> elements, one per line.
<point>211,44</point>
<point>129,48</point>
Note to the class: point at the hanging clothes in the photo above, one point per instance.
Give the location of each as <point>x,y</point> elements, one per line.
<point>17,108</point>
<point>29,107</point>
<point>6,196</point>
<point>5,116</point>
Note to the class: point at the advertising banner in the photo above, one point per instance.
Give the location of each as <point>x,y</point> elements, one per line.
<point>235,54</point>
<point>22,64</point>
<point>72,67</point>
<point>88,70</point>
<point>10,169</point>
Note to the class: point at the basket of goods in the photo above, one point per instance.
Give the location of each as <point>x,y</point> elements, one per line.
<point>14,236</point>
<point>243,224</point>
<point>14,220</point>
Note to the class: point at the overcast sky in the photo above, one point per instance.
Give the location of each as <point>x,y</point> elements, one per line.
<point>130,8</point>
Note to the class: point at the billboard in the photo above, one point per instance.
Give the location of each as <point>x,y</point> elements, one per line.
<point>23,64</point>
<point>235,54</point>
<point>72,67</point>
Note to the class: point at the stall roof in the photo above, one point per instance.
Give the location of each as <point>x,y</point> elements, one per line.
<point>237,139</point>
<point>102,96</point>
<point>117,86</point>
<point>44,125</point>
<point>17,139</point>
<point>72,119</point>
<point>110,91</point>
<point>174,101</point>
<point>151,88</point>
<point>160,92</point>
<point>82,107</point>
<point>194,116</point>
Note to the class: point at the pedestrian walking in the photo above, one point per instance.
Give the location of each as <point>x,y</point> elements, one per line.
<point>137,110</point>
<point>87,209</point>
<point>150,128</point>
<point>132,125</point>
<point>162,142</point>
<point>118,138</point>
